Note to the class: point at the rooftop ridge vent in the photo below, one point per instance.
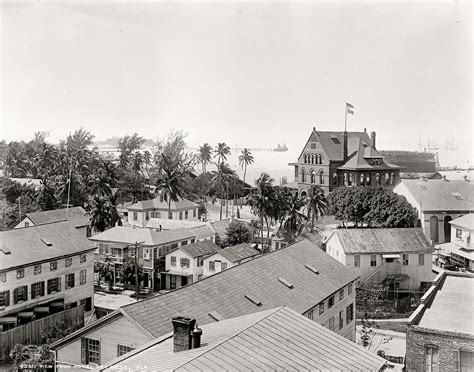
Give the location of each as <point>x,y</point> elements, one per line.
<point>5,250</point>
<point>46,242</point>
<point>253,300</point>
<point>311,268</point>
<point>216,316</point>
<point>285,282</point>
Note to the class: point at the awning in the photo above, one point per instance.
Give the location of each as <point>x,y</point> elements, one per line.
<point>391,256</point>
<point>178,273</point>
<point>8,319</point>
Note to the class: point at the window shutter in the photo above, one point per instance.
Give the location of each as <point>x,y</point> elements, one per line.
<point>84,350</point>
<point>42,288</point>
<point>59,284</point>
<point>15,295</point>
<point>32,291</point>
<point>25,288</point>
<point>7,298</point>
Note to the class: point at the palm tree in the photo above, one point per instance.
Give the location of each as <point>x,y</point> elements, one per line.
<point>205,155</point>
<point>99,214</point>
<point>171,186</point>
<point>245,159</point>
<point>146,159</point>
<point>263,200</point>
<point>45,196</point>
<point>114,216</point>
<point>221,152</point>
<point>316,205</point>
<point>294,219</point>
<point>137,161</point>
<point>221,178</point>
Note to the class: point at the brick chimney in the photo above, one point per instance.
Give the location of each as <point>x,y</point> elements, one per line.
<point>372,136</point>
<point>182,328</point>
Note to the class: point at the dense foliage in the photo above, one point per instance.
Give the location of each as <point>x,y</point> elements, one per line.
<point>371,207</point>
<point>238,232</point>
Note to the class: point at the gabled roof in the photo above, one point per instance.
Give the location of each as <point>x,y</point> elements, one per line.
<point>199,249</point>
<point>155,203</point>
<point>383,240</point>
<point>167,224</point>
<point>226,292</point>
<point>441,195</point>
<point>40,243</point>
<point>242,343</point>
<point>203,232</point>
<point>76,215</point>
<point>238,252</point>
<point>466,221</point>
<point>148,237</point>
<point>332,142</point>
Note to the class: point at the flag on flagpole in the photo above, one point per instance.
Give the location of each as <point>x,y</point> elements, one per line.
<point>349,111</point>
<point>348,105</point>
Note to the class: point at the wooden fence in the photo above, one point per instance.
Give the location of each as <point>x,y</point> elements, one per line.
<point>30,333</point>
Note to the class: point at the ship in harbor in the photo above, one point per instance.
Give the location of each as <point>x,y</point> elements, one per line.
<point>281,148</point>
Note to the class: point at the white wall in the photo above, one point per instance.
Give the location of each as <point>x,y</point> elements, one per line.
<point>218,260</point>
<point>26,221</point>
<point>193,269</point>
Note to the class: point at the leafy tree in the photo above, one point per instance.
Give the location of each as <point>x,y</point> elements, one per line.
<point>371,206</point>
<point>366,333</point>
<point>221,152</point>
<point>13,190</point>
<point>129,273</point>
<point>245,159</point>
<point>46,196</point>
<point>220,241</point>
<point>262,201</point>
<point>56,331</point>
<point>171,152</point>
<point>316,205</point>
<point>35,356</point>
<point>201,185</point>
<point>205,156</point>
<point>202,211</point>
<point>133,186</point>
<point>99,214</point>
<point>237,233</point>
<point>104,267</point>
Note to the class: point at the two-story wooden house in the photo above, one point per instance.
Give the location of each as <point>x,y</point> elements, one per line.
<point>121,242</point>
<point>228,257</point>
<point>403,256</point>
<point>299,276</point>
<point>185,264</point>
<point>44,270</point>
<point>140,213</point>
<point>333,159</point>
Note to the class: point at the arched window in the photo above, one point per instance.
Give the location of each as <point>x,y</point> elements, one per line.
<point>305,158</point>
<point>313,177</point>
<point>350,179</point>
<point>377,179</point>
<point>387,178</point>
<point>320,159</point>
<point>392,178</point>
<point>303,175</point>
<point>367,179</point>
<point>312,159</point>
<point>362,179</point>
<point>321,177</point>
<point>334,178</point>
<point>345,179</point>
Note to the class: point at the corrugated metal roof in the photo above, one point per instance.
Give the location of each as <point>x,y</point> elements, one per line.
<point>276,339</point>
<point>26,245</point>
<point>203,248</point>
<point>225,291</point>
<point>383,240</point>
<point>238,252</point>
<point>439,195</point>
<point>131,235</point>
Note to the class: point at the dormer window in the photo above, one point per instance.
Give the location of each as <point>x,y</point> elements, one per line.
<point>376,161</point>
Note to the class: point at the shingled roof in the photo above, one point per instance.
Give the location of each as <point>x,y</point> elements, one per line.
<point>226,292</point>
<point>238,252</point>
<point>76,215</point>
<point>241,343</point>
<point>199,249</point>
<point>149,237</point>
<point>181,204</point>
<point>440,195</point>
<point>466,221</point>
<point>383,240</point>
<point>28,245</point>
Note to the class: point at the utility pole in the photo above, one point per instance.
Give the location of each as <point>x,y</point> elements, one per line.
<point>137,282</point>
<point>68,191</point>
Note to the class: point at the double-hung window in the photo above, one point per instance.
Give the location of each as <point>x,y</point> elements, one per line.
<point>421,259</point>
<point>431,359</point>
<point>184,262</point>
<point>405,259</point>
<point>4,298</point>
<point>173,260</point>
<point>90,351</point>
<point>212,266</point>
<point>357,260</point>
<point>37,289</point>
<point>54,285</point>
<point>69,281</point>
<point>349,313</point>
<point>82,277</point>
<point>20,294</point>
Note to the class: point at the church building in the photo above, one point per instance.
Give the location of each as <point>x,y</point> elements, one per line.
<point>333,159</point>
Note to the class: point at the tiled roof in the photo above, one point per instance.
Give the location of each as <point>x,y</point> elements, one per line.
<point>225,292</point>
<point>149,237</point>
<point>167,224</point>
<point>277,339</point>
<point>238,252</point>
<point>466,221</point>
<point>155,203</point>
<point>76,215</point>
<point>203,232</point>
<point>37,243</point>
<point>202,248</point>
<point>383,240</point>
<point>441,195</point>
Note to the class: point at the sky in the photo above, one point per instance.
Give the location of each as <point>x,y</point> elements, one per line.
<point>251,74</point>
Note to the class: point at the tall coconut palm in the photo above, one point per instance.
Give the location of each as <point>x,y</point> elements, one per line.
<point>221,179</point>
<point>221,152</point>
<point>262,201</point>
<point>316,205</point>
<point>294,219</point>
<point>205,155</point>
<point>99,214</point>
<point>245,159</point>
<point>171,187</point>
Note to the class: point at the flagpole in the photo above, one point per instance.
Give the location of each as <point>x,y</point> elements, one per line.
<point>345,120</point>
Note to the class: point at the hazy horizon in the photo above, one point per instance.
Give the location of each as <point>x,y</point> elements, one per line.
<point>248,74</point>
